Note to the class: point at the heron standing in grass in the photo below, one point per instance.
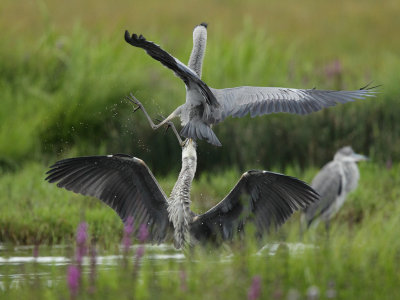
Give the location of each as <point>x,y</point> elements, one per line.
<point>334,182</point>
<point>207,106</point>
<point>127,185</point>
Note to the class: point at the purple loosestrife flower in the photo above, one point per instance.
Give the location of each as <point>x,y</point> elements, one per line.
<point>81,233</point>
<point>128,229</point>
<point>143,233</point>
<point>139,253</point>
<point>81,238</point>
<point>73,279</point>
<point>255,288</point>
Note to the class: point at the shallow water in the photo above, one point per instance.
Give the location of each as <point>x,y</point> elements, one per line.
<point>18,263</point>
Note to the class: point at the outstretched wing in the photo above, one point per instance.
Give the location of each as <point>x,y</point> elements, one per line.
<point>264,198</point>
<point>328,183</point>
<point>121,181</point>
<point>256,101</point>
<point>189,77</point>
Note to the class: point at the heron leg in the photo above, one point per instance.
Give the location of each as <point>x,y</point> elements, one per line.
<point>172,125</point>
<point>141,107</point>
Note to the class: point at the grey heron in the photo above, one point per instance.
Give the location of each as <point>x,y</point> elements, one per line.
<point>127,185</point>
<point>334,182</point>
<point>206,106</point>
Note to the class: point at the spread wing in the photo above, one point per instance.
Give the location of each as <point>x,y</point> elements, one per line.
<point>261,197</point>
<point>189,77</point>
<point>256,101</point>
<point>123,182</point>
<point>328,183</point>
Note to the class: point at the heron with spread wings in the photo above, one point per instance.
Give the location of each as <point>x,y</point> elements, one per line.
<point>126,184</point>
<point>206,106</point>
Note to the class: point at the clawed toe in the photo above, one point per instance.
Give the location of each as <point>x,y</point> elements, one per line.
<point>135,101</point>
<point>169,125</point>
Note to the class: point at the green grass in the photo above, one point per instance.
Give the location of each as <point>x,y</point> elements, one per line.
<point>65,69</point>
<point>40,212</point>
<point>360,258</point>
<point>63,85</point>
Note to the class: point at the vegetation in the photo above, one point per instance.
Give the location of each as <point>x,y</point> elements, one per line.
<point>360,258</point>
<point>63,91</point>
<point>64,73</point>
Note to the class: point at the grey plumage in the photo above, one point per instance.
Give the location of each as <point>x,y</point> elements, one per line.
<point>123,182</point>
<point>335,180</point>
<point>262,198</point>
<point>127,185</point>
<point>206,106</point>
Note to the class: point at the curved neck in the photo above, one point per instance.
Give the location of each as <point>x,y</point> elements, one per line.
<point>199,48</point>
<point>183,185</point>
<point>179,202</point>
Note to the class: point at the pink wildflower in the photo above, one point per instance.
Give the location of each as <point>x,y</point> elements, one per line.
<point>128,229</point>
<point>255,288</point>
<point>81,238</point>
<point>73,278</point>
<point>143,233</point>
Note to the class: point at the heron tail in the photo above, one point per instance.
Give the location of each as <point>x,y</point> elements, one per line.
<point>200,131</point>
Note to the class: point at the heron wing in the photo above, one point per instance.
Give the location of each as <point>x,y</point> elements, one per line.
<point>328,183</point>
<point>256,101</point>
<point>261,197</point>
<point>123,182</point>
<point>188,76</point>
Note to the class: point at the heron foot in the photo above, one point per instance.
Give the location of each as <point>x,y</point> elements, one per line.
<point>135,101</point>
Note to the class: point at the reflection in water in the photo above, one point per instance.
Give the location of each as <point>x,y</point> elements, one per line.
<point>292,248</point>
<point>17,264</point>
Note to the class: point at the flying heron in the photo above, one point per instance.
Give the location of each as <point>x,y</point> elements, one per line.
<point>334,182</point>
<point>206,106</point>
<point>127,185</point>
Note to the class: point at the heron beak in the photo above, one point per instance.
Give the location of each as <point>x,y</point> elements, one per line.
<point>359,157</point>
<point>193,143</point>
<point>188,142</point>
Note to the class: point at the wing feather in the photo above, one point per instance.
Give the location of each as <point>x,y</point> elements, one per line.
<point>260,197</point>
<point>188,76</point>
<point>123,182</point>
<point>240,101</point>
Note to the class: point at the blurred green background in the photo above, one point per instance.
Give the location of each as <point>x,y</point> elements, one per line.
<point>65,70</point>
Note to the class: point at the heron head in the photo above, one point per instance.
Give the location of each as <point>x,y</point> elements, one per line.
<point>347,154</point>
<point>200,32</point>
<point>189,149</point>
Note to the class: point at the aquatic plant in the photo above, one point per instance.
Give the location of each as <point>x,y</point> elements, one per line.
<point>73,280</point>
<point>255,288</point>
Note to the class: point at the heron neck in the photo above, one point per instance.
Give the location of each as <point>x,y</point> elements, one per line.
<point>197,55</point>
<point>179,202</point>
<point>352,175</point>
<point>181,190</point>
